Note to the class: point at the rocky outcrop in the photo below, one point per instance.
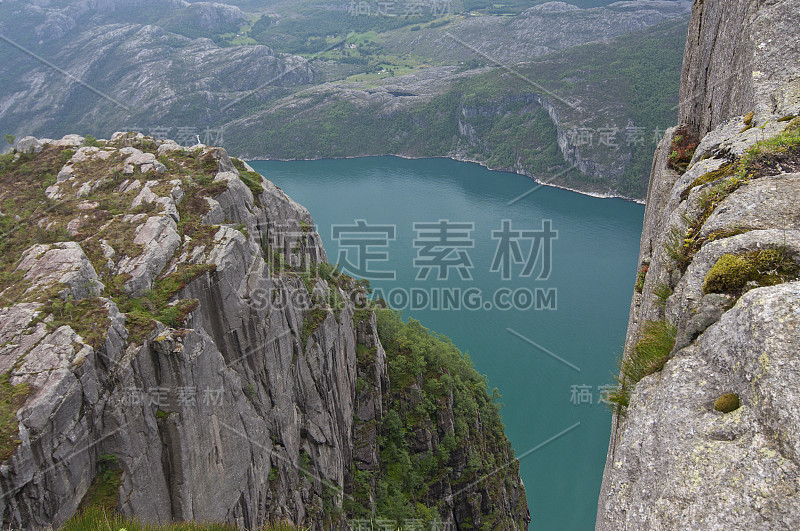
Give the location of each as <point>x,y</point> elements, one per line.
<point>168,318</point>
<point>678,457</point>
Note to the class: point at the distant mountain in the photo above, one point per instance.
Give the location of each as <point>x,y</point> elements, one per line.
<point>188,70</point>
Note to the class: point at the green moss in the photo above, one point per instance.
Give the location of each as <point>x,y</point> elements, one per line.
<point>11,399</point>
<point>161,414</point>
<point>734,273</point>
<point>727,403</point>
<point>721,234</point>
<point>730,273</point>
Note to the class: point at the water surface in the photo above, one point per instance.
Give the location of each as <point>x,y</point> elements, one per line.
<point>547,363</point>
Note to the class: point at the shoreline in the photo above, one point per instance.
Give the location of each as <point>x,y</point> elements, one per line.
<point>458,159</point>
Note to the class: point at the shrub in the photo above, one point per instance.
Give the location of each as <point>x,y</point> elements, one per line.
<point>89,140</point>
<point>682,150</point>
<point>253,181</point>
<point>727,403</point>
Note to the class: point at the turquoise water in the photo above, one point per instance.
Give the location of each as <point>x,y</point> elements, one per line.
<point>548,362</point>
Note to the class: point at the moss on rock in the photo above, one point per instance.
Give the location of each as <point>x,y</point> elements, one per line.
<point>727,403</point>
<point>734,273</point>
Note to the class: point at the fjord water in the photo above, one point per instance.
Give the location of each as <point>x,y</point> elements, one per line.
<point>548,363</point>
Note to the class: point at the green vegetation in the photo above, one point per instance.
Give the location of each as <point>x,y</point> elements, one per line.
<point>11,398</point>
<point>684,144</point>
<point>156,304</point>
<point>250,178</point>
<point>98,508</point>
<point>94,518</point>
<point>89,140</point>
<point>648,356</point>
<point>662,292</point>
<point>780,153</point>
<point>88,317</point>
<point>737,273</point>
<point>639,74</point>
<point>428,373</point>
<point>22,191</point>
<point>768,157</point>
<point>727,403</point>
<point>723,171</point>
<point>307,26</point>
<point>103,493</point>
<point>311,322</point>
<point>22,185</point>
<point>640,277</point>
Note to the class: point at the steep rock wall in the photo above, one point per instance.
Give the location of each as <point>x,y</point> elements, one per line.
<point>170,317</point>
<point>675,461</point>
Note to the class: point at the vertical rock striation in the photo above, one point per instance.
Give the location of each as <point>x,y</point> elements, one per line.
<point>168,313</point>
<point>722,246</point>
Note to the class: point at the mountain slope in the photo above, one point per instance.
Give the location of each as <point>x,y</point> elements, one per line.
<point>170,68</point>
<point>170,333</point>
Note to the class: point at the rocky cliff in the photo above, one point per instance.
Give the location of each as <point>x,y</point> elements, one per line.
<point>707,425</point>
<point>171,333</point>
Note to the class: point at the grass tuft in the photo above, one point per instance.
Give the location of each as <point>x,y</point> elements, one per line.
<point>647,357</point>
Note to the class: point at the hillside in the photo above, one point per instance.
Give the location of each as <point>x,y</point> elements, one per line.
<point>235,78</point>
<point>174,346</point>
<point>585,118</point>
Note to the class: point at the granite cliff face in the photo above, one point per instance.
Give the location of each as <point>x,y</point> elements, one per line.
<point>168,316</point>
<point>719,277</point>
